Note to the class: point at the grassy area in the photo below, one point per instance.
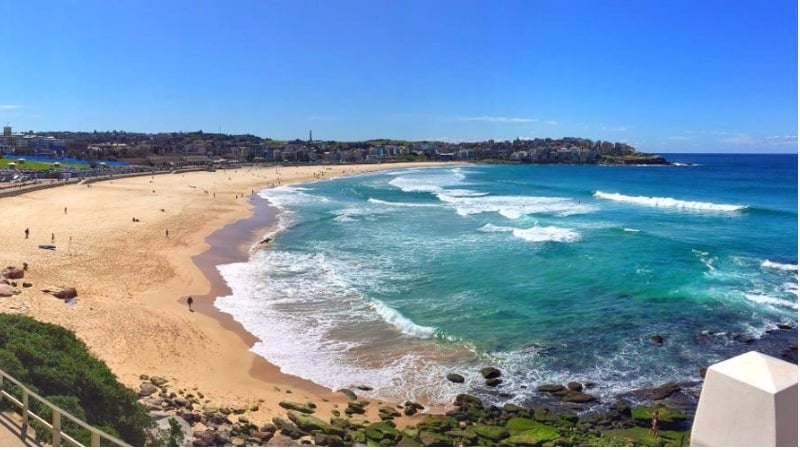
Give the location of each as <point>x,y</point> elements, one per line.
<point>38,165</point>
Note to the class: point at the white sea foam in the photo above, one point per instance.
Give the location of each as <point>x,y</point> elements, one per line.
<point>767,264</point>
<point>301,304</point>
<point>490,228</point>
<point>630,230</point>
<point>791,288</point>
<point>536,233</point>
<point>403,204</point>
<point>545,234</point>
<point>704,258</point>
<point>428,181</point>
<point>768,300</point>
<point>513,207</point>
<point>402,323</point>
<point>287,198</point>
<point>667,202</point>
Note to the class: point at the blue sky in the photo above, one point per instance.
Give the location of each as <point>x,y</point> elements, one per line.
<point>664,76</point>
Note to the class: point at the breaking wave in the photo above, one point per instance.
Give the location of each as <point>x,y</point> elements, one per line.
<point>668,202</point>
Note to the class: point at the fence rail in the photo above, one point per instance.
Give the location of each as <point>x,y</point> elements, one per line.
<point>59,438</point>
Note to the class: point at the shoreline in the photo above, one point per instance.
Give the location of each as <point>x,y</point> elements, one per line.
<point>133,277</point>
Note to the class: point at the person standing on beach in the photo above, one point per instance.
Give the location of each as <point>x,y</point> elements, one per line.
<point>166,233</point>
<point>189,301</point>
<point>654,426</point>
<point>27,232</point>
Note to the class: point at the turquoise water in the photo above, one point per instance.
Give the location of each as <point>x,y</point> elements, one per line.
<point>551,273</point>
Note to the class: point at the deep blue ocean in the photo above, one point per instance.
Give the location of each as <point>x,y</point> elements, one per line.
<point>550,273</point>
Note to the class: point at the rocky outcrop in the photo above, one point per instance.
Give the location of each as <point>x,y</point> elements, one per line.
<point>212,425</point>
<point>659,392</point>
<point>469,423</point>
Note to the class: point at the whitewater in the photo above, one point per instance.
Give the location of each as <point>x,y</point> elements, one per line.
<point>550,273</point>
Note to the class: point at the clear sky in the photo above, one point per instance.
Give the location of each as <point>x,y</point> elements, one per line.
<point>664,76</point>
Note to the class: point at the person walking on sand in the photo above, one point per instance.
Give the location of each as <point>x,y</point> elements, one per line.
<point>52,238</point>
<point>166,233</point>
<point>189,301</point>
<point>654,426</point>
<point>27,232</point>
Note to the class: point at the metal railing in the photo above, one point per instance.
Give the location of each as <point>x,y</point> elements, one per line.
<point>59,438</point>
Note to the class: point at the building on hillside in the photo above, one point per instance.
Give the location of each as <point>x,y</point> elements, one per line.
<point>46,146</point>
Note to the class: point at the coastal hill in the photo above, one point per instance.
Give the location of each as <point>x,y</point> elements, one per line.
<point>199,147</point>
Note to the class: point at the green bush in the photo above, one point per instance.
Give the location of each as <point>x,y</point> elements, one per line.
<point>52,362</point>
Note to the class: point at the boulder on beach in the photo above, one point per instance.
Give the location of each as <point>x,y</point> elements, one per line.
<point>64,294</point>
<point>296,406</point>
<point>147,389</point>
<point>578,397</point>
<point>6,290</point>
<point>348,393</point>
<point>158,381</point>
<point>307,422</point>
<point>13,273</point>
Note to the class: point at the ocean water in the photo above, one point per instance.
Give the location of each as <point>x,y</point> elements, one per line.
<point>550,273</point>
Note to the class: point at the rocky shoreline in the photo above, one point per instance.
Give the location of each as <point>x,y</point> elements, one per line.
<point>469,423</point>
<point>559,415</point>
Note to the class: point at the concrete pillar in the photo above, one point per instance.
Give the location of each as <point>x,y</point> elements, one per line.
<point>749,400</point>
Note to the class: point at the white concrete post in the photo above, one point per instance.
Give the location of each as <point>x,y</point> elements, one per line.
<point>749,400</point>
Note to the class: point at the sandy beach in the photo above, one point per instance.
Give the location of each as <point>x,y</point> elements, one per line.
<point>133,277</point>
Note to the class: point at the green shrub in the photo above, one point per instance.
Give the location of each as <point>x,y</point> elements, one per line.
<point>51,361</point>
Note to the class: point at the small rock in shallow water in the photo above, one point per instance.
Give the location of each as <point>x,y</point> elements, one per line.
<point>656,339</point>
<point>455,378</point>
<point>659,392</point>
<point>490,372</point>
<point>574,386</point>
<point>492,382</point>
<point>552,388</point>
